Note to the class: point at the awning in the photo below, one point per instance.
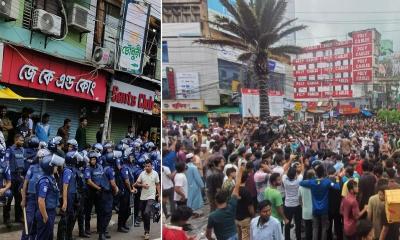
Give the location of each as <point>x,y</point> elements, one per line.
<point>223,111</point>
<point>366,113</point>
<point>7,93</point>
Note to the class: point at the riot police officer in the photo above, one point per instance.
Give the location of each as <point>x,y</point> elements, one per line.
<point>108,186</point>
<point>82,194</point>
<point>127,190</point>
<point>15,156</point>
<point>5,176</point>
<point>94,175</point>
<point>70,187</point>
<point>32,146</point>
<point>56,146</point>
<point>47,196</point>
<point>28,193</point>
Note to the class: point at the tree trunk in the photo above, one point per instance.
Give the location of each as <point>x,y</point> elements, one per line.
<point>264,101</point>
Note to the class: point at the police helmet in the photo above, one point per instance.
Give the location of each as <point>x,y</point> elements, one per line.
<point>54,142</point>
<point>74,143</point>
<point>93,154</point>
<point>42,145</point>
<point>157,213</point>
<point>33,142</point>
<point>49,162</point>
<point>41,153</point>
<point>98,147</point>
<point>107,145</point>
<point>119,147</point>
<point>153,156</point>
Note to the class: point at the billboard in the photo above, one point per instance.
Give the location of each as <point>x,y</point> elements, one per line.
<point>251,103</point>
<point>133,37</point>
<point>187,85</point>
<point>363,50</point>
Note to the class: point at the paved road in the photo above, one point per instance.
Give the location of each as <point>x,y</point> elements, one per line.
<point>135,233</point>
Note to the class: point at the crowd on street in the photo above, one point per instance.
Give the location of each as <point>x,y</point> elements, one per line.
<point>67,176</point>
<point>318,180</point>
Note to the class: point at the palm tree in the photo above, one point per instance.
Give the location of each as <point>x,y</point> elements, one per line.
<point>257,26</point>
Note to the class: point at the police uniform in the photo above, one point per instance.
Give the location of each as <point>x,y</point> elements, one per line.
<point>5,175</point>
<point>33,174</point>
<point>81,194</point>
<point>127,173</point>
<point>96,174</point>
<point>106,199</point>
<point>15,156</point>
<point>48,189</point>
<point>70,177</point>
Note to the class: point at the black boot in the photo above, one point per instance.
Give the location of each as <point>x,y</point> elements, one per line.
<point>122,230</point>
<point>84,234</point>
<point>102,236</point>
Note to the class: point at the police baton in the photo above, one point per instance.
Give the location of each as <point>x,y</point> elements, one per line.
<point>25,221</point>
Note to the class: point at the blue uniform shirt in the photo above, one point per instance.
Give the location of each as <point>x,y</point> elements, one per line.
<point>44,186</point>
<point>109,173</point>
<point>67,175</point>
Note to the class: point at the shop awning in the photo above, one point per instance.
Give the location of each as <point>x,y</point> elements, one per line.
<point>7,93</point>
<point>230,110</point>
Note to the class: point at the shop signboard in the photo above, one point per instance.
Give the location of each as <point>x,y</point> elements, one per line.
<point>334,58</point>
<point>28,68</point>
<point>319,71</point>
<point>183,106</point>
<point>329,45</point>
<point>361,76</point>
<point>187,85</point>
<point>362,56</point>
<point>132,98</point>
<point>251,103</point>
<point>133,37</point>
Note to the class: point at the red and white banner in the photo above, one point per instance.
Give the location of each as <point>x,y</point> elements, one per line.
<point>326,82</point>
<point>362,76</point>
<point>362,63</point>
<point>362,50</point>
<point>362,37</point>
<point>325,94</point>
<point>329,45</point>
<point>327,59</point>
<point>31,69</point>
<point>319,71</point>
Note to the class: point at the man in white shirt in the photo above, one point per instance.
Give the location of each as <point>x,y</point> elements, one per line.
<point>265,226</point>
<point>181,185</point>
<point>167,190</point>
<point>150,183</point>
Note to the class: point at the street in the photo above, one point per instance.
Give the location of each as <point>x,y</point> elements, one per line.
<point>135,233</point>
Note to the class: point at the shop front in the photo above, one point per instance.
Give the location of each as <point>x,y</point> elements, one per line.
<point>133,106</point>
<point>73,90</point>
<point>185,110</point>
<point>225,115</point>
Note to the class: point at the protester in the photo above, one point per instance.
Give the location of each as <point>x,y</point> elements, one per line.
<point>195,185</point>
<point>265,225</point>
<point>5,124</point>
<point>63,131</point>
<point>42,129</point>
<point>80,135</point>
<point>181,185</point>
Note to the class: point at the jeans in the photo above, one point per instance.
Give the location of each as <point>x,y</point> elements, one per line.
<point>320,225</point>
<point>147,213</point>
<point>309,229</point>
<point>234,237</point>
<point>290,213</point>
<point>335,220</point>
<point>168,195</point>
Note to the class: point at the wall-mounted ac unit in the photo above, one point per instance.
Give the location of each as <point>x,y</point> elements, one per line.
<point>9,9</point>
<point>103,56</point>
<point>78,18</point>
<point>47,23</point>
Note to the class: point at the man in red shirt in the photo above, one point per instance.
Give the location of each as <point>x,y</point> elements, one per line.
<point>350,210</point>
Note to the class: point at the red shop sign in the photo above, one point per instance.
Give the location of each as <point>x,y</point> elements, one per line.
<point>362,37</point>
<point>362,63</point>
<point>337,82</point>
<point>300,95</point>
<point>51,74</point>
<point>333,58</point>
<point>362,76</point>
<point>362,51</point>
<point>343,93</point>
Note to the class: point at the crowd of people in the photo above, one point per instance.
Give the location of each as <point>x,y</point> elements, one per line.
<point>319,180</point>
<point>43,174</point>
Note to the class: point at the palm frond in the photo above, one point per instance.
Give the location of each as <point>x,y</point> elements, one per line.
<point>249,19</point>
<point>231,9</point>
<point>266,14</point>
<point>258,7</point>
<point>267,39</point>
<point>285,49</point>
<point>276,17</point>
<point>231,26</point>
<point>244,57</point>
<point>284,25</point>
<point>223,42</point>
<point>291,30</point>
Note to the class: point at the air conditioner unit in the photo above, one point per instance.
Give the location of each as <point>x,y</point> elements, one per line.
<point>78,18</point>
<point>9,9</point>
<point>103,56</point>
<point>47,23</point>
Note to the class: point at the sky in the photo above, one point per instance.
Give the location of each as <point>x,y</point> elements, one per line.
<point>333,19</point>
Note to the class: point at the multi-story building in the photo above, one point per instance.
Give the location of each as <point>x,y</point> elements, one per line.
<point>211,73</point>
<point>338,71</point>
<point>71,53</point>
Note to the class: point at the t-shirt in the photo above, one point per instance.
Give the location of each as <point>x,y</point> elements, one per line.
<point>376,207</point>
<point>349,209</point>
<point>244,202</point>
<point>151,179</point>
<point>275,197</point>
<point>292,190</point>
<point>306,200</point>
<point>181,181</point>
<point>393,232</point>
<point>222,220</point>
<point>166,181</point>
<point>169,160</point>
<point>261,181</point>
